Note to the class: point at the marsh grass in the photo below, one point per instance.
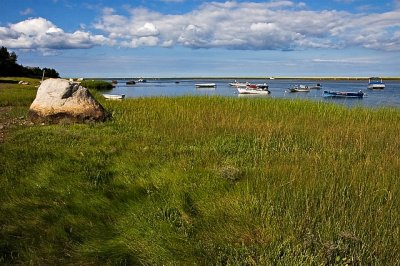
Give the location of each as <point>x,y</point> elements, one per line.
<point>12,94</point>
<point>97,84</point>
<point>205,180</point>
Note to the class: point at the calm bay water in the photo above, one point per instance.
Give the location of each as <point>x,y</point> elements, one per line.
<point>390,96</point>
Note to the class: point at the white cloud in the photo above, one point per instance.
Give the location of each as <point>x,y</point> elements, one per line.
<point>347,60</point>
<point>148,29</point>
<point>7,33</point>
<point>275,25</point>
<point>41,34</point>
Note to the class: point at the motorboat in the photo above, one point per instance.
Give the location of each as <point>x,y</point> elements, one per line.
<point>238,84</point>
<point>131,82</point>
<point>263,86</point>
<point>254,89</point>
<point>375,83</point>
<point>316,87</point>
<point>205,85</point>
<point>299,88</point>
<point>344,94</point>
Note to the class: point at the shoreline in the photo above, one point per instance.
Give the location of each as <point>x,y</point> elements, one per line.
<point>233,78</point>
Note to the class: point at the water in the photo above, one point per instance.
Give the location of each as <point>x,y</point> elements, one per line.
<point>388,97</point>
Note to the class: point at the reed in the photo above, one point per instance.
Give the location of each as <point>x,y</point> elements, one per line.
<point>205,180</point>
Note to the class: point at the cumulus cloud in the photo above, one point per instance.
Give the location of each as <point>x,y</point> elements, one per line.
<point>41,34</point>
<point>275,25</point>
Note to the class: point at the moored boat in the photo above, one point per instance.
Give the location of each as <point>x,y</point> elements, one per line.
<point>299,88</point>
<point>131,82</point>
<point>205,85</point>
<point>343,94</point>
<point>114,96</point>
<point>375,83</point>
<point>316,87</point>
<point>263,86</point>
<point>253,90</point>
<point>238,84</point>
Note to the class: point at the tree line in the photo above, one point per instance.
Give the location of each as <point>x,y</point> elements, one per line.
<point>10,68</point>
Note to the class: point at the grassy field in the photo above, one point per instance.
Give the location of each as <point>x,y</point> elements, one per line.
<point>201,181</point>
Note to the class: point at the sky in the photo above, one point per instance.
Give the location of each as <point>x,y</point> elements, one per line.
<point>194,38</point>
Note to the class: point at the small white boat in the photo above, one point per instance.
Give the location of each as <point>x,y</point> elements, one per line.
<point>249,90</point>
<point>299,88</point>
<point>114,96</point>
<point>205,85</point>
<point>375,83</point>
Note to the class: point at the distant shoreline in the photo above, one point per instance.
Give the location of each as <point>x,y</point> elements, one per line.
<point>239,78</point>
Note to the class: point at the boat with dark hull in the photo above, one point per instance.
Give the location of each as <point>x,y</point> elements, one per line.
<point>344,94</point>
<point>316,87</point>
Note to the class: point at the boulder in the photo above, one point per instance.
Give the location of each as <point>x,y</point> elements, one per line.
<point>62,100</point>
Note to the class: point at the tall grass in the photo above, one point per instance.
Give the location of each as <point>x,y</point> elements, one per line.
<point>97,84</point>
<point>205,180</point>
<point>15,94</point>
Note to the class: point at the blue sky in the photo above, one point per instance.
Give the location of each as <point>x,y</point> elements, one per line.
<point>182,38</point>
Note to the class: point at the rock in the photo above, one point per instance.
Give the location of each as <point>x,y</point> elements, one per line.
<point>61,100</point>
<point>23,82</point>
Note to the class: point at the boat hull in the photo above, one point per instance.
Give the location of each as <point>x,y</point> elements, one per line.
<point>114,96</point>
<point>344,94</point>
<point>376,86</point>
<point>238,85</point>
<point>206,85</point>
<point>253,91</point>
<point>299,88</point>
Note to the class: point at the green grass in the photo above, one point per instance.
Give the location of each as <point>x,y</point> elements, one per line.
<point>12,94</point>
<point>205,180</point>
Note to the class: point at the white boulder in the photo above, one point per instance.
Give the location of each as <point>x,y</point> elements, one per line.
<point>59,100</point>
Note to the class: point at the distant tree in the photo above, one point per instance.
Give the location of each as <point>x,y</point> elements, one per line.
<point>51,73</point>
<point>9,67</point>
<point>8,62</point>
